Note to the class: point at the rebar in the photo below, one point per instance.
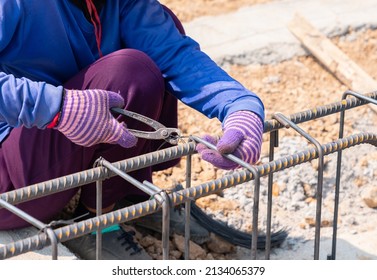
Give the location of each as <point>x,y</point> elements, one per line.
<point>288,123</point>
<point>256,177</point>
<point>92,175</point>
<point>188,209</point>
<point>239,176</point>
<point>274,143</point>
<point>361,97</point>
<point>321,111</point>
<point>36,223</point>
<point>176,198</point>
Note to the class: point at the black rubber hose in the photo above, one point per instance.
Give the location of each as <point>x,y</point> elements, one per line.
<point>234,236</point>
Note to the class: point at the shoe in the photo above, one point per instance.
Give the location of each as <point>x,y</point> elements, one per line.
<point>117,244</point>
<point>153,222</point>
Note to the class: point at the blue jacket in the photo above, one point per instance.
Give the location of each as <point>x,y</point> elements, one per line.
<point>44,43</point>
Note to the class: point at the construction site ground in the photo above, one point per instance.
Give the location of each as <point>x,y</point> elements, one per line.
<point>289,80</point>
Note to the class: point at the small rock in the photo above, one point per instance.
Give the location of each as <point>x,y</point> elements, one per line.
<point>271,80</point>
<point>276,189</point>
<point>359,182</point>
<point>324,222</point>
<point>219,245</point>
<point>176,254</point>
<point>218,256</point>
<point>308,190</point>
<point>369,196</point>
<point>217,203</point>
<point>147,241</point>
<point>302,225</point>
<point>196,252</point>
<point>310,221</point>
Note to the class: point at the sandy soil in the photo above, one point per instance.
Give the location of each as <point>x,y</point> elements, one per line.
<point>188,10</point>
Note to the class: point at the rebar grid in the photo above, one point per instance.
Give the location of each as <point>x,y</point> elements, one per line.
<point>239,176</point>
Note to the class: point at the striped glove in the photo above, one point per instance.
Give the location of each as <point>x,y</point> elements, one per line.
<point>86,120</point>
<point>242,137</point>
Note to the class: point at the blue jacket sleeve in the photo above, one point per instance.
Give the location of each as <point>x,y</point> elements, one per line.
<point>28,103</point>
<point>22,101</point>
<point>190,74</point>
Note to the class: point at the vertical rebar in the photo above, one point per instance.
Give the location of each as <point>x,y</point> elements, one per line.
<point>160,196</point>
<point>274,142</point>
<point>256,175</point>
<point>164,201</point>
<point>188,209</point>
<point>338,169</point>
<point>99,213</point>
<point>255,234</point>
<point>288,123</point>
<point>165,225</point>
<point>54,242</point>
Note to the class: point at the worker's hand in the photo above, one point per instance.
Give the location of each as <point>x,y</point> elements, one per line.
<point>242,137</point>
<point>86,120</point>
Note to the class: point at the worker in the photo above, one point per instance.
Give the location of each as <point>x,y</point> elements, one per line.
<point>64,64</point>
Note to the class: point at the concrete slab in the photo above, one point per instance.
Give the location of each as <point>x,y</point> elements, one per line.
<point>251,32</point>
<point>362,246</point>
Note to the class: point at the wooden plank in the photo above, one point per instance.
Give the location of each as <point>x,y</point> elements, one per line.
<point>337,62</point>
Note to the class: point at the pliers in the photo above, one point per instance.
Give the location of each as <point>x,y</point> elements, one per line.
<point>170,135</point>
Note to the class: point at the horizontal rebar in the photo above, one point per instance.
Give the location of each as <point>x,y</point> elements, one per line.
<point>89,176</point>
<point>320,111</point>
<point>178,197</point>
<point>92,175</point>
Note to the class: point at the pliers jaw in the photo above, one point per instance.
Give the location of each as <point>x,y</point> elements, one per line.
<point>170,135</point>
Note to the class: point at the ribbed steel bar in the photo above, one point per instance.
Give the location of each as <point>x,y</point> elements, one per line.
<point>150,190</point>
<point>38,224</point>
<point>126,214</point>
<point>362,97</point>
<point>289,124</point>
<point>321,111</point>
<point>176,198</point>
<point>274,143</point>
<point>92,175</point>
<point>95,174</point>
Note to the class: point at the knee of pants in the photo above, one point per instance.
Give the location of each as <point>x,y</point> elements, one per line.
<point>136,77</point>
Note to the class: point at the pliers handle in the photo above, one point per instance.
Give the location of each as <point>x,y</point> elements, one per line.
<point>170,135</point>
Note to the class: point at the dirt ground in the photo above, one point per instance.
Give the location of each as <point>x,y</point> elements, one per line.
<point>288,87</point>
<point>189,10</point>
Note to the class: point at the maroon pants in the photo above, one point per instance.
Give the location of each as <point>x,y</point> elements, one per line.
<point>31,156</point>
